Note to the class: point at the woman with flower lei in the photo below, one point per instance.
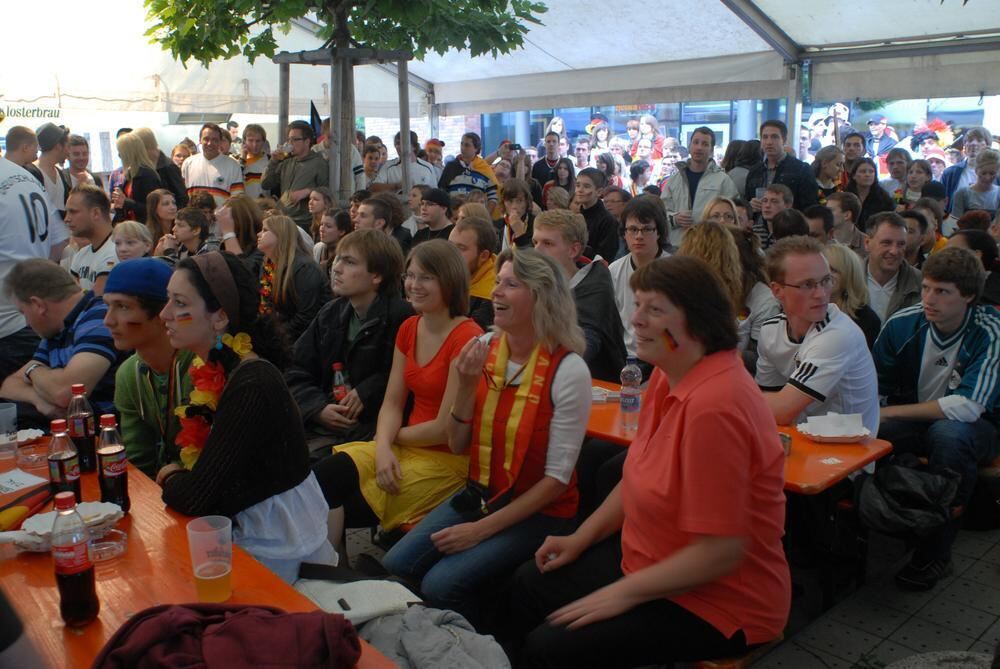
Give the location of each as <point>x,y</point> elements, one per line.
<point>292,285</point>
<point>828,166</point>
<point>242,447</point>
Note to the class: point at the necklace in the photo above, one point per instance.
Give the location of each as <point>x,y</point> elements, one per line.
<point>208,379</point>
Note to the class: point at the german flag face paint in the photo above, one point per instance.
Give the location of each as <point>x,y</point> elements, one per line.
<point>669,341</point>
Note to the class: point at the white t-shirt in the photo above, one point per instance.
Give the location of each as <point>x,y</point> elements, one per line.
<point>937,368</point>
<point>25,232</point>
<point>879,296</point>
<point>621,271</point>
<point>571,400</point>
<point>421,172</point>
<point>762,306</point>
<point>221,176</point>
<point>831,364</point>
<point>89,263</point>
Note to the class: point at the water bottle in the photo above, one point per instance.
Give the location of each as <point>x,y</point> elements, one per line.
<point>78,603</point>
<point>113,464</point>
<point>64,463</point>
<point>80,417</point>
<point>630,398</point>
<point>340,385</point>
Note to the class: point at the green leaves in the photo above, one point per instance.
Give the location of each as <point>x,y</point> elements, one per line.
<point>206,30</point>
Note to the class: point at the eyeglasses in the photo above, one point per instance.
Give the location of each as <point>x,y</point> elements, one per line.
<point>636,230</point>
<point>726,216</point>
<point>422,279</point>
<point>809,286</point>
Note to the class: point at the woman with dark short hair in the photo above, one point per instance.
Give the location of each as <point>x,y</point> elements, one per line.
<point>683,561</point>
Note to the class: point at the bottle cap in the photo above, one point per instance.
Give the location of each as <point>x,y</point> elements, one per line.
<point>58,425</point>
<point>78,389</point>
<point>65,500</point>
<point>109,420</point>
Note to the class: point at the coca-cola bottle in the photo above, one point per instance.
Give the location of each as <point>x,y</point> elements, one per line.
<point>340,384</point>
<point>112,464</point>
<point>80,416</point>
<point>78,603</point>
<point>64,465</point>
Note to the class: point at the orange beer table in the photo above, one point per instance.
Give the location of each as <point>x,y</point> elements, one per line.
<point>156,569</point>
<point>810,467</point>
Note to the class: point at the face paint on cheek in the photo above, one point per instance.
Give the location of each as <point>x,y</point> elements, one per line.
<point>184,320</point>
<point>669,340</point>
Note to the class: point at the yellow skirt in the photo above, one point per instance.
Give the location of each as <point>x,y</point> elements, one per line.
<point>429,478</point>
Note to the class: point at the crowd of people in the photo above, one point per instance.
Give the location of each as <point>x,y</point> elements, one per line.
<point>421,359</point>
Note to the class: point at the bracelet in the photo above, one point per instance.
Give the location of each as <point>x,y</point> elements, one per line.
<point>228,236</point>
<point>459,420</point>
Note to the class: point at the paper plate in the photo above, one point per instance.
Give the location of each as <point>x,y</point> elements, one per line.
<point>839,439</point>
<point>36,532</point>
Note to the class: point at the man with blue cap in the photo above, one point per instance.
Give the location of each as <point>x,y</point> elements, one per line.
<point>154,380</point>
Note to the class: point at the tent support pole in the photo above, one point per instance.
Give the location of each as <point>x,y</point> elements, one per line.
<point>793,106</point>
<point>405,148</point>
<point>283,101</point>
<point>336,130</point>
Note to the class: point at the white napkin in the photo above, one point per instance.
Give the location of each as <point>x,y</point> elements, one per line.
<point>834,425</point>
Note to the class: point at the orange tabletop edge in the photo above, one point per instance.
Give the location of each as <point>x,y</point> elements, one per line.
<point>155,570</point>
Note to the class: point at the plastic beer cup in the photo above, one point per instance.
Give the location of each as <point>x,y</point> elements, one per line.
<point>210,540</point>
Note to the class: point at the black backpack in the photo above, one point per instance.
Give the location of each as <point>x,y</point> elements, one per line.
<point>906,499</point>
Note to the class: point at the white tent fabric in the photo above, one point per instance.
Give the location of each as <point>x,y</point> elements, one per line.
<point>679,50</point>
<point>586,53</point>
<point>99,59</point>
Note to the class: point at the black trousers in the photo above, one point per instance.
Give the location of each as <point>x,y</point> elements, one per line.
<point>598,471</point>
<point>651,633</point>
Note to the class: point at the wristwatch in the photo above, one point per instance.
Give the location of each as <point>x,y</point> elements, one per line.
<point>32,367</point>
<point>229,235</point>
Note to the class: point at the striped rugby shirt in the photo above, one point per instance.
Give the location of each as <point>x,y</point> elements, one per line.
<point>831,364</point>
<point>221,176</point>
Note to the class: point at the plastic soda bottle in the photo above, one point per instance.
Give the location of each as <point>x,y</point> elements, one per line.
<point>112,464</point>
<point>64,464</point>
<point>78,603</point>
<point>631,395</point>
<point>340,385</point>
<point>80,416</point>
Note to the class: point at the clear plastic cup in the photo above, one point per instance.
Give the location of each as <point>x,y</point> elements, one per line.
<point>210,540</point>
<point>8,430</point>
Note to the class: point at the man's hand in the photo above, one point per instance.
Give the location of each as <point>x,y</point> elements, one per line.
<point>167,243</point>
<point>684,219</point>
<point>297,196</point>
<point>353,404</point>
<point>335,417</point>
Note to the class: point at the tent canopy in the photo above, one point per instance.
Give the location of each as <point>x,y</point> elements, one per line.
<point>106,63</point>
<point>584,54</point>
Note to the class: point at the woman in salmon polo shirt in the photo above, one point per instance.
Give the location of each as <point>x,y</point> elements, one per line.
<point>683,560</point>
